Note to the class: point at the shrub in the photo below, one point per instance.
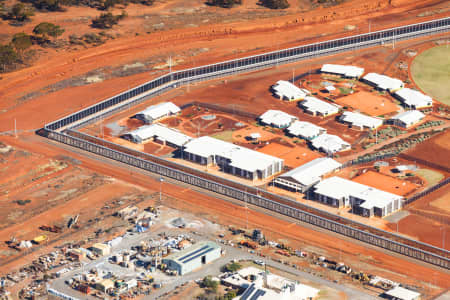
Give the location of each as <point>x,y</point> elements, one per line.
<point>8,57</point>
<point>275,4</point>
<point>224,3</point>
<point>210,284</point>
<point>20,12</point>
<point>44,30</point>
<point>232,267</point>
<point>23,202</point>
<point>50,5</point>
<point>107,20</point>
<point>21,41</point>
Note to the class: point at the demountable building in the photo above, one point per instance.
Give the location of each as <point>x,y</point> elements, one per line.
<point>383,82</point>
<point>302,178</point>
<point>158,133</point>
<point>329,143</point>
<point>360,121</point>
<point>413,99</point>
<point>305,130</point>
<point>288,91</point>
<point>345,71</point>
<point>232,158</point>
<point>408,118</point>
<point>157,111</point>
<point>317,107</point>
<point>276,118</point>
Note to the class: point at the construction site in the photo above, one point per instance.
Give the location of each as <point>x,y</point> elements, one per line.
<point>252,166</point>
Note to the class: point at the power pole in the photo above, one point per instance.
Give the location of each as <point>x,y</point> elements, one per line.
<point>293,77</point>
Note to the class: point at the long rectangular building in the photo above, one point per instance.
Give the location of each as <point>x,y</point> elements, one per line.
<point>345,71</point>
<point>305,130</point>
<point>317,107</point>
<point>157,111</point>
<point>288,91</point>
<point>276,118</point>
<point>364,200</point>
<point>232,158</point>
<point>413,99</point>
<point>383,82</point>
<point>302,178</point>
<point>159,133</point>
<point>360,121</point>
<point>330,143</point>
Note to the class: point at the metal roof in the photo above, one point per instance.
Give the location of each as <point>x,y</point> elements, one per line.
<point>193,252</point>
<point>329,143</point>
<point>163,133</point>
<point>315,105</point>
<point>409,117</point>
<point>357,119</point>
<point>414,98</point>
<point>402,293</point>
<point>286,89</point>
<point>348,71</point>
<point>277,117</point>
<point>240,157</point>
<point>337,188</point>
<point>159,110</point>
<point>312,171</point>
<point>384,82</point>
<point>305,129</point>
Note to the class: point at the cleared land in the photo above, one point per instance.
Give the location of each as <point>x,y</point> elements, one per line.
<point>431,177</point>
<point>431,72</point>
<point>293,156</point>
<point>369,103</point>
<point>434,150</point>
<point>386,183</point>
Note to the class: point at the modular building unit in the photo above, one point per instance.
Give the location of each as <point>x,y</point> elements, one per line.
<point>413,99</point>
<point>407,119</point>
<point>342,70</point>
<point>157,111</point>
<point>193,258</point>
<point>317,107</point>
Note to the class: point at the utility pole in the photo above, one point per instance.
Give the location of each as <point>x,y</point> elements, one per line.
<point>293,77</point>
<point>160,188</point>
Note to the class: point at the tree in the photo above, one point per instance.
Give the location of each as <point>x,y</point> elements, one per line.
<point>224,3</point>
<point>275,4</point>
<point>21,41</point>
<point>210,284</point>
<point>50,5</point>
<point>45,29</point>
<point>8,56</point>
<point>20,12</point>
<point>232,267</point>
<point>107,20</point>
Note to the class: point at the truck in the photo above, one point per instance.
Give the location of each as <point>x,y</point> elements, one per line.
<point>248,244</point>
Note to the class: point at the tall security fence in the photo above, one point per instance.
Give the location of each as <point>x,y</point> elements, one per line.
<point>263,199</point>
<point>427,191</point>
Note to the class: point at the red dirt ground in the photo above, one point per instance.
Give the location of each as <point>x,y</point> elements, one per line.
<point>293,156</point>
<point>369,103</point>
<point>386,183</point>
<point>435,150</point>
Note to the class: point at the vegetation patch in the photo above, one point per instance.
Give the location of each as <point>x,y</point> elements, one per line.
<point>430,71</point>
<point>430,176</point>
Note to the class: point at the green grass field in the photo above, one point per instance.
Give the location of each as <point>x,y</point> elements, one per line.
<point>431,72</point>
<point>226,136</point>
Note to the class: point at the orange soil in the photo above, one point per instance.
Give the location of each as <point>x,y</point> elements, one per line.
<point>369,103</point>
<point>293,156</point>
<point>227,213</point>
<point>435,150</point>
<point>386,183</point>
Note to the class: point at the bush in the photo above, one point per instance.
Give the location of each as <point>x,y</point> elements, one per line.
<point>107,20</point>
<point>44,30</point>
<point>275,4</point>
<point>224,3</point>
<point>8,57</point>
<point>210,284</point>
<point>232,267</point>
<point>23,202</point>
<point>20,12</point>
<point>21,42</point>
<point>50,5</point>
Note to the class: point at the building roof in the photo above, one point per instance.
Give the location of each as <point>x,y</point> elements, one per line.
<point>409,117</point>
<point>193,252</point>
<point>337,188</point>
<point>163,133</point>
<point>329,143</point>
<point>315,105</point>
<point>402,293</point>
<point>414,98</point>
<point>285,89</point>
<point>241,157</point>
<point>384,82</point>
<point>360,120</point>
<point>311,172</point>
<point>347,71</point>
<point>277,118</point>
<point>305,129</point>
<point>159,110</point>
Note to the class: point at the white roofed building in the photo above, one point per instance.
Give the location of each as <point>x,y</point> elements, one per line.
<point>364,200</point>
<point>159,133</point>
<point>344,71</point>
<point>413,99</point>
<point>276,118</point>
<point>231,158</point>
<point>317,107</point>
<point>305,130</point>
<point>407,119</point>
<point>157,111</point>
<point>302,178</point>
<point>360,121</point>
<point>288,91</point>
<point>383,82</point>
<point>400,293</point>
<point>330,144</point>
